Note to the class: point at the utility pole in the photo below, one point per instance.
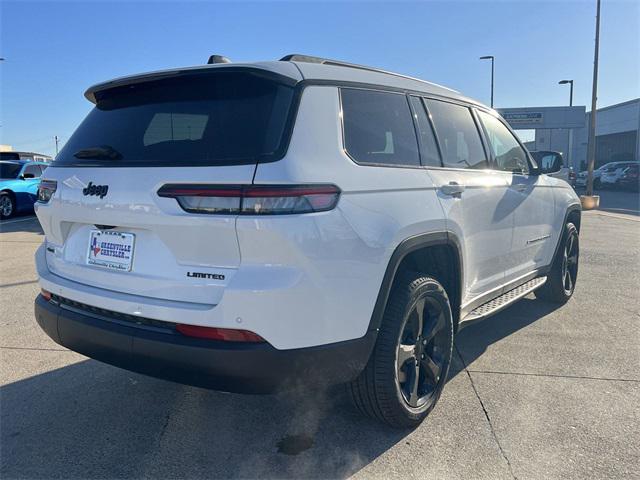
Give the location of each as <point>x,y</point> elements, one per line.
<point>591,148</point>
<point>55,137</point>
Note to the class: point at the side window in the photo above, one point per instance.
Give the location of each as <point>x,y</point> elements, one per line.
<point>428,149</point>
<point>510,156</point>
<point>32,170</point>
<point>458,135</point>
<point>378,128</point>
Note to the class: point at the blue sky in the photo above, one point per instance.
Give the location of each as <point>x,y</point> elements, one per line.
<point>55,50</point>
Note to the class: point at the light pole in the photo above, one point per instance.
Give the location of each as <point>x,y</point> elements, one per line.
<point>570,140</point>
<point>564,82</point>
<point>490,57</point>
<point>590,201</point>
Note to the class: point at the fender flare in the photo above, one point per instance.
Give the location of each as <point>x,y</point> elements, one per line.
<point>404,248</point>
<point>574,207</point>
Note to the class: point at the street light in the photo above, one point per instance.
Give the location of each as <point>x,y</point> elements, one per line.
<point>490,57</point>
<point>564,82</point>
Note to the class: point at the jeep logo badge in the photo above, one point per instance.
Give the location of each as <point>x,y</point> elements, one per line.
<point>97,190</point>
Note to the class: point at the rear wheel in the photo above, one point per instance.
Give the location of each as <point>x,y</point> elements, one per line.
<point>561,280</point>
<point>409,365</point>
<point>7,205</point>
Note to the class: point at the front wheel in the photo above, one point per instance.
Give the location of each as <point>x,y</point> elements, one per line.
<point>561,280</point>
<point>409,365</point>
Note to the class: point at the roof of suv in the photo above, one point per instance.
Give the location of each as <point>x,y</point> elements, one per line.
<point>298,68</point>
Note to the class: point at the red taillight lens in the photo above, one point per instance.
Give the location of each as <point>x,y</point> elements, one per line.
<point>46,189</point>
<point>46,294</point>
<point>253,199</point>
<point>223,334</point>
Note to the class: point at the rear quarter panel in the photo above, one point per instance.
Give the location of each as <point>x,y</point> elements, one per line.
<point>339,257</point>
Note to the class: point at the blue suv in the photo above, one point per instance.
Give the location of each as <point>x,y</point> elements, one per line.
<point>19,181</point>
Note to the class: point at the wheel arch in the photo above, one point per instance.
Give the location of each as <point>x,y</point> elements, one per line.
<point>438,254</point>
<point>573,215</point>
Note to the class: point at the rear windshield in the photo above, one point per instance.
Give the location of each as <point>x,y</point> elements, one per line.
<point>207,120</point>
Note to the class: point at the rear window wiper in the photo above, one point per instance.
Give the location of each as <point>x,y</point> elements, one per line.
<point>103,152</point>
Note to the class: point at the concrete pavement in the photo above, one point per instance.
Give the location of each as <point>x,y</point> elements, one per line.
<point>535,392</point>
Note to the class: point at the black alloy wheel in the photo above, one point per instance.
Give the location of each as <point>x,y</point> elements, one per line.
<point>408,367</point>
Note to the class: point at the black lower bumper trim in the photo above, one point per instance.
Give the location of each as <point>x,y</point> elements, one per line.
<point>226,366</point>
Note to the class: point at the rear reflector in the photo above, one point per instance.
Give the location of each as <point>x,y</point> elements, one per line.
<point>253,199</point>
<point>223,334</point>
<point>46,294</point>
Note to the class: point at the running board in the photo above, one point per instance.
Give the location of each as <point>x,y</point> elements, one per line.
<point>504,300</point>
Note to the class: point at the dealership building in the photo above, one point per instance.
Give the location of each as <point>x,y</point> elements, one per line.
<point>566,129</point>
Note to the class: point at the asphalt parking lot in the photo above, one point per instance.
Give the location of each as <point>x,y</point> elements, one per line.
<point>535,392</point>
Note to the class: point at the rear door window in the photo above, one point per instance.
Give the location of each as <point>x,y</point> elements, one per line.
<point>209,119</point>
<point>378,128</point>
<point>458,135</point>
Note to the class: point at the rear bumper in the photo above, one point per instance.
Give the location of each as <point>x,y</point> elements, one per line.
<point>226,366</point>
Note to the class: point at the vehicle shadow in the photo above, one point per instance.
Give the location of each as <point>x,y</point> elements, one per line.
<point>21,223</point>
<point>90,420</point>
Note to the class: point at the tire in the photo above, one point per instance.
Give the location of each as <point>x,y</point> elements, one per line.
<point>7,205</point>
<point>561,280</point>
<point>385,389</point>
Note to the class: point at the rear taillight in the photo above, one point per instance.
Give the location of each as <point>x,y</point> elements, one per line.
<point>253,199</point>
<point>46,294</point>
<point>222,334</point>
<point>46,189</point>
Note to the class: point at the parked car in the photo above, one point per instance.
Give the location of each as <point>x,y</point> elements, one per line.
<point>611,175</point>
<point>581,180</point>
<point>548,158</point>
<point>291,224</point>
<point>19,182</point>
<point>629,178</point>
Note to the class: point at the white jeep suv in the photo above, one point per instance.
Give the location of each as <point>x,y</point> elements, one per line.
<point>255,227</point>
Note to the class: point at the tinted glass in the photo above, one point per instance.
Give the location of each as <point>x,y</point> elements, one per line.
<point>378,128</point>
<point>10,170</point>
<point>509,155</point>
<point>215,119</point>
<point>32,170</point>
<point>458,136</point>
<point>428,149</point>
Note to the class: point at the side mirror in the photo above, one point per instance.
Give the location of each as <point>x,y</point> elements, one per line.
<point>550,163</point>
<point>27,175</point>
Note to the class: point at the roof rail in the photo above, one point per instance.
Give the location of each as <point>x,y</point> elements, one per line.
<point>295,57</point>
